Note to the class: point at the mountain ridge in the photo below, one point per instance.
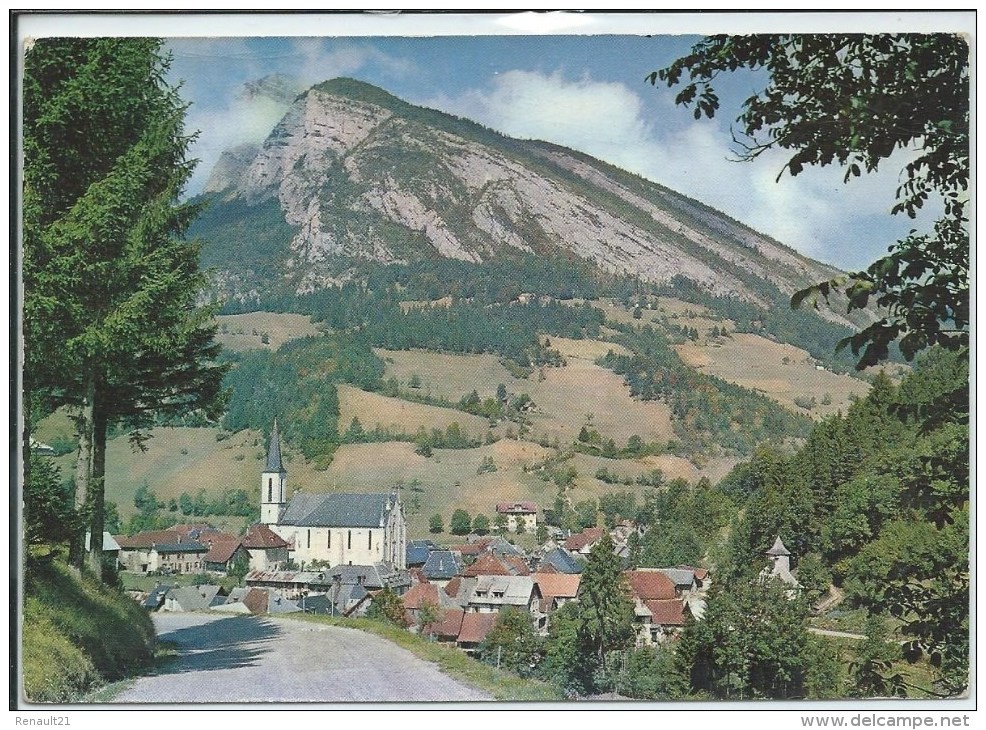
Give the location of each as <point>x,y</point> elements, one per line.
<point>359,174</point>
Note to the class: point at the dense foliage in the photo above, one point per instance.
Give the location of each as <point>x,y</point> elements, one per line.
<point>297,384</point>
<point>881,493</point>
<point>708,411</point>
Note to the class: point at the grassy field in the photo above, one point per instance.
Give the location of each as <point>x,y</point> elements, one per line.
<point>246,331</point>
<point>782,372</point>
<point>402,416</point>
<point>444,482</point>
<point>564,397</point>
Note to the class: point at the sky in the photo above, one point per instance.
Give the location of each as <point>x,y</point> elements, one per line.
<point>587,92</point>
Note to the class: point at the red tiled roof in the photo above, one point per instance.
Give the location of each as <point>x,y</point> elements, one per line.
<point>667,613</point>
<point>201,527</point>
<point>518,564</point>
<point>256,600</point>
<point>417,595</point>
<point>261,537</point>
<point>557,585</point>
<point>475,627</point>
<point>470,548</point>
<point>588,536</point>
<point>489,564</point>
<point>452,587</point>
<point>517,507</point>
<point>221,548</point>
<point>449,627</point>
<point>650,585</point>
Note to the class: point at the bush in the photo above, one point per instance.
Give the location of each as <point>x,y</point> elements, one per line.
<point>461,522</point>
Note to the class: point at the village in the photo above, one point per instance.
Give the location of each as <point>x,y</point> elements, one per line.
<point>330,554</point>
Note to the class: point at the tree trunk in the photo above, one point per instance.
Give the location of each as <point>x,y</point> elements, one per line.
<point>83,474</point>
<point>97,484</point>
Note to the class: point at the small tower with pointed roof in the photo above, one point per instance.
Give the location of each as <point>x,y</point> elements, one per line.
<point>780,563</point>
<point>273,482</point>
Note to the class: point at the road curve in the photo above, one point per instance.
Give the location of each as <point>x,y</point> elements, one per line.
<point>248,659</point>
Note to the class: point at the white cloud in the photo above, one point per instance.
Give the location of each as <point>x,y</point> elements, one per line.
<point>226,117</point>
<point>815,212</point>
<point>317,63</point>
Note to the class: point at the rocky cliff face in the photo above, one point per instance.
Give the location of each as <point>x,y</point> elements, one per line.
<point>358,174</point>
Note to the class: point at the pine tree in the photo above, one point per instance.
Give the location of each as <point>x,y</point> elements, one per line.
<point>605,615</point>
<point>111,323</point>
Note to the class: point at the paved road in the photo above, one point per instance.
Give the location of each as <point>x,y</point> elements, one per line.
<point>251,659</point>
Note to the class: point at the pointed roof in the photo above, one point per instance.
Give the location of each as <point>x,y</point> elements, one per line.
<point>778,548</point>
<point>274,463</point>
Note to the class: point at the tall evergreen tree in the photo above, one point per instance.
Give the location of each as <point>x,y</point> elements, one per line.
<point>605,617</point>
<point>111,323</point>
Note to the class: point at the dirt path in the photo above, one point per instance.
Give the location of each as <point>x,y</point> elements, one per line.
<point>239,659</point>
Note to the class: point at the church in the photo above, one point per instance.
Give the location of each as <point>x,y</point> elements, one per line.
<point>340,529</point>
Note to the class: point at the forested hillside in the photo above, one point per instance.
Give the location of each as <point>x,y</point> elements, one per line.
<point>877,502</point>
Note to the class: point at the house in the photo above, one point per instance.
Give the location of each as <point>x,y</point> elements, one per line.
<point>494,592</point>
<point>288,583</point>
<point>338,529</point>
<point>556,589</point>
<point>234,602</point>
<point>177,557</point>
<point>474,628</point>
<point>257,601</point>
<point>702,577</point>
<point>657,620</point>
<point>490,564</point>
<point>559,560</point>
<point>193,598</point>
<point>520,516</point>
<point>224,552</point>
<point>135,550</point>
<point>418,552</point>
<point>459,590</point>
<point>582,542</point>
<point>684,580</point>
<point>111,548</point>
<point>373,577</point>
<point>442,565</point>
<point>422,596</point>
<point>449,628</point>
<point>267,549</point>
<point>155,599</point>
<point>351,600</point>
<point>650,584</point>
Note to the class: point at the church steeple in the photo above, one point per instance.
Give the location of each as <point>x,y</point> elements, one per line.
<point>273,482</point>
<point>274,463</point>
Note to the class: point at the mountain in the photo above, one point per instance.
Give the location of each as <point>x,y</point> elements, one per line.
<point>351,173</point>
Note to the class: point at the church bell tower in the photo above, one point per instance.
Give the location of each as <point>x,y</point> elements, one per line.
<point>273,482</point>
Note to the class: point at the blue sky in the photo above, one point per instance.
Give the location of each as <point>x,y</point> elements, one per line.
<point>586,92</point>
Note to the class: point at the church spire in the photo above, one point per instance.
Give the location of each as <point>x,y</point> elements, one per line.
<point>274,463</point>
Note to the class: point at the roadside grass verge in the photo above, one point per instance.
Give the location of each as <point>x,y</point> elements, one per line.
<point>502,685</point>
<point>78,634</point>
